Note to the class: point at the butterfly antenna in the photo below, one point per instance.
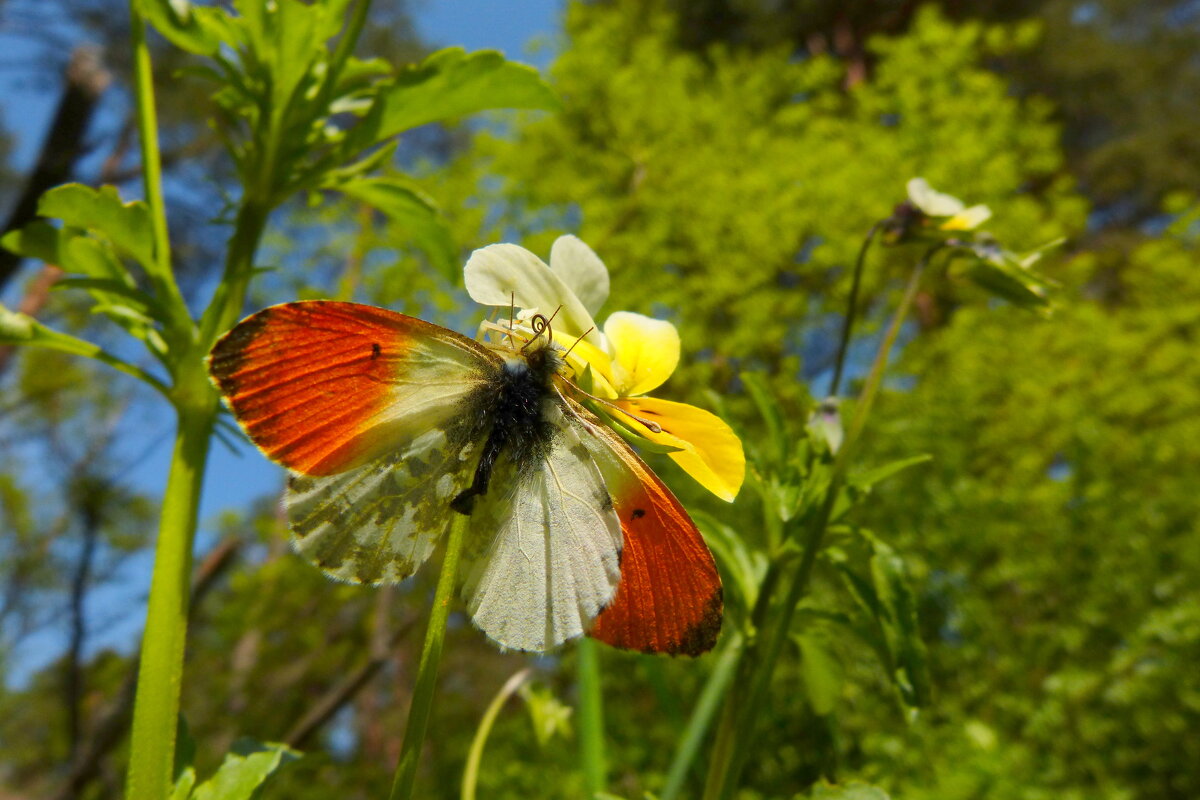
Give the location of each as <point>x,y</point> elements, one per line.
<point>577,341</point>
<point>649,423</point>
<point>540,325</point>
<point>512,317</point>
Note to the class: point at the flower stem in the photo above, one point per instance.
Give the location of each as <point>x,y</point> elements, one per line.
<point>839,363</point>
<point>735,738</point>
<point>160,673</point>
<point>591,717</point>
<point>431,656</point>
<point>475,754</point>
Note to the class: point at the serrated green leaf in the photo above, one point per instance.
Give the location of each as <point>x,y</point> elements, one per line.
<point>412,211</point>
<point>899,621</point>
<point>244,770</point>
<point>196,29</point>
<point>452,83</point>
<point>126,225</point>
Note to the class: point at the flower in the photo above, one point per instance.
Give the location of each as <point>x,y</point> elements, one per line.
<point>948,212</point>
<point>617,366</point>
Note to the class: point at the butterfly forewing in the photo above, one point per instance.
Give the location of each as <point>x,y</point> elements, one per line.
<point>377,415</point>
<point>669,599</point>
<point>323,386</point>
<point>544,554</point>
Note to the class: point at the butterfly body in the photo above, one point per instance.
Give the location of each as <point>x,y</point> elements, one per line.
<point>392,427</point>
<point>514,403</point>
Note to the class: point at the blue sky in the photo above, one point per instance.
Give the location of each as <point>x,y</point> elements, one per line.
<point>233,480</point>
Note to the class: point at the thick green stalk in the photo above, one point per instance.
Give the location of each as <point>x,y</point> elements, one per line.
<point>160,673</point>
<point>475,754</point>
<point>431,656</point>
<point>736,737</point>
<point>591,717</point>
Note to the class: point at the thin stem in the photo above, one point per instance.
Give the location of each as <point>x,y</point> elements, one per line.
<point>475,754</point>
<point>160,674</point>
<point>431,656</point>
<point>143,75</point>
<point>839,364</point>
<point>226,305</point>
<point>591,717</point>
<point>702,716</point>
<point>741,710</point>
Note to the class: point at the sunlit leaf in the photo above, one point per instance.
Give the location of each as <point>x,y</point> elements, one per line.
<point>126,225</point>
<point>244,770</point>
<point>452,83</point>
<point>194,28</point>
<point>413,212</point>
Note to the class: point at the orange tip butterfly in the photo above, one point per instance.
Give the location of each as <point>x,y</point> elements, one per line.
<point>390,426</point>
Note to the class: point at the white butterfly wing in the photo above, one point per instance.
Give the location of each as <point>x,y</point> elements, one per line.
<point>378,522</point>
<point>543,557</point>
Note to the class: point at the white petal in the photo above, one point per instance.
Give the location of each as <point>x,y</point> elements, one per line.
<point>931,201</point>
<point>581,270</point>
<point>503,274</point>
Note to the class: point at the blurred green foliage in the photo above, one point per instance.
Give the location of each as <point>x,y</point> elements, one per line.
<point>1050,538</point>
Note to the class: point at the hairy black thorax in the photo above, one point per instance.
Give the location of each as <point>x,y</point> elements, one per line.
<point>512,409</point>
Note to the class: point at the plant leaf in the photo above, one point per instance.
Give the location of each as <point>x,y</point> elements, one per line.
<point>126,225</point>
<point>821,671</point>
<point>244,770</point>
<point>196,29</point>
<point>412,211</point>
<point>452,83</point>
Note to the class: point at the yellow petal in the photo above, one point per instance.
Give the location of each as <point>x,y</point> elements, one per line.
<point>645,351</point>
<point>968,220</point>
<point>710,451</point>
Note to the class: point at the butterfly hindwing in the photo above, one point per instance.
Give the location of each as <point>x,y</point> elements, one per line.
<point>544,554</point>
<point>669,599</point>
<point>378,522</point>
<point>324,386</point>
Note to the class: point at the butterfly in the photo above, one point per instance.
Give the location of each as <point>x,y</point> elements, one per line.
<point>391,426</point>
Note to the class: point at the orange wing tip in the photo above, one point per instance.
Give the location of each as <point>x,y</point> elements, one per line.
<point>307,380</point>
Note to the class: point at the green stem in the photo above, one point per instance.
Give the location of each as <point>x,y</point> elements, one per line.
<point>736,737</point>
<point>230,295</point>
<point>143,76</point>
<point>591,717</point>
<point>702,716</point>
<point>160,673</point>
<point>431,656</point>
<point>839,363</point>
<point>475,754</point>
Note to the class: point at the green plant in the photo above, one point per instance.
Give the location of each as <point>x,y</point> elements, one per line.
<point>297,112</point>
